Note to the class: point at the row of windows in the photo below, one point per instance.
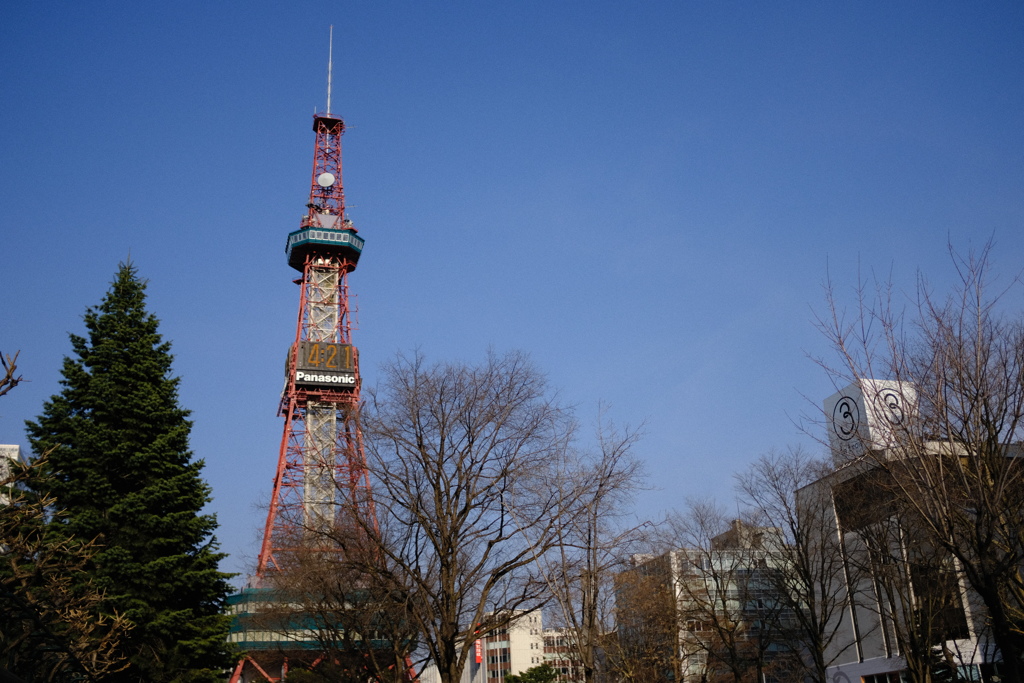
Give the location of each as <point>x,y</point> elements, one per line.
<point>328,236</point>
<point>248,607</point>
<point>294,635</point>
<point>556,641</point>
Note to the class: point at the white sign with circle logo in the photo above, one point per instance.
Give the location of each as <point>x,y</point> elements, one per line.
<point>868,414</point>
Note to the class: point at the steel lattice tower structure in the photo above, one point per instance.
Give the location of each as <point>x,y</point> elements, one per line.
<point>321,463</point>
<point>321,454</point>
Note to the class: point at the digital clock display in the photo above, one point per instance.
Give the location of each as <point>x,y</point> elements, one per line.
<point>325,364</point>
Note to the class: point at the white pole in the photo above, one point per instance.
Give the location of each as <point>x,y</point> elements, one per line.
<point>330,62</point>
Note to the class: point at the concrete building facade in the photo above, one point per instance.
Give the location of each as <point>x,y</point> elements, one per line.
<point>725,606</point>
<point>893,580</point>
<point>561,654</point>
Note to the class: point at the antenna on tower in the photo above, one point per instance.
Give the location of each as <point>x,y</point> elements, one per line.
<point>330,62</point>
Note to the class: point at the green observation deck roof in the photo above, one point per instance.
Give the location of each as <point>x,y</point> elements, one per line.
<point>343,243</point>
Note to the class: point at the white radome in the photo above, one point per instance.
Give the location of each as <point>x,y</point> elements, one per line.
<point>325,179</point>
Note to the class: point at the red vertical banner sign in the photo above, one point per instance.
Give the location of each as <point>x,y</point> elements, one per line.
<point>479,652</point>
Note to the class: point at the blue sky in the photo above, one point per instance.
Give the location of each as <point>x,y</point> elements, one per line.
<point>646,197</point>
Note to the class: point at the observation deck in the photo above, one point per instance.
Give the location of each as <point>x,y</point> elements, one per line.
<point>264,619</point>
<point>331,238</point>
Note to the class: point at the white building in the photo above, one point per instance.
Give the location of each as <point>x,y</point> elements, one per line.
<point>863,422</point>
<point>8,454</point>
<point>509,650</point>
<point>726,586</point>
<point>562,655</point>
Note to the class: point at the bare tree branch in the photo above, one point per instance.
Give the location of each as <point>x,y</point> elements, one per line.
<point>9,379</point>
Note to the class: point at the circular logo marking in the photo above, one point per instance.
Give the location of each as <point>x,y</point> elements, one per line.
<point>891,403</point>
<point>845,418</point>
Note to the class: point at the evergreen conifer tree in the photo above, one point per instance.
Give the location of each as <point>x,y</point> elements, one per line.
<point>122,473</point>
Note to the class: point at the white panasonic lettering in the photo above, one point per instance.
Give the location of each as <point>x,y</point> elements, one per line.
<point>301,376</point>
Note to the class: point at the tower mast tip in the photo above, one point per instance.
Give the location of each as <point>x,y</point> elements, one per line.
<point>330,63</point>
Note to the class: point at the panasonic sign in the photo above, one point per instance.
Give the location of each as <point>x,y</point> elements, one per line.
<point>342,379</point>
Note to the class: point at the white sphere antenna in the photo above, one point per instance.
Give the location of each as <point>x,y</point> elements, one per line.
<point>325,180</point>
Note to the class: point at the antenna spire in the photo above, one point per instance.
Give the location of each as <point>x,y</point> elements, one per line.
<point>330,63</point>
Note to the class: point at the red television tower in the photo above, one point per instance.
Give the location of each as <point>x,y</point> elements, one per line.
<point>321,456</point>
<point>321,449</point>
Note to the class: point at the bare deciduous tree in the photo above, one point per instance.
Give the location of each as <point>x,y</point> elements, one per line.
<point>593,543</point>
<point>466,463</point>
<point>811,571</point>
<point>343,601</point>
<point>955,459</point>
<point>644,648</point>
<point>728,608</point>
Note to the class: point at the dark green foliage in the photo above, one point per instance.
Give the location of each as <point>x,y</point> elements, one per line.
<point>535,674</point>
<point>51,629</point>
<point>122,472</point>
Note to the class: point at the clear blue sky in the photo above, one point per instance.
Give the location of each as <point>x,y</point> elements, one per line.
<point>644,196</point>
